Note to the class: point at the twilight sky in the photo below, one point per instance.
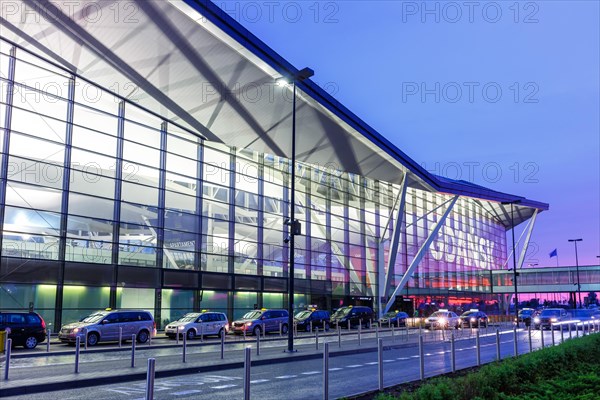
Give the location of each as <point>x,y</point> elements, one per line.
<point>503,94</point>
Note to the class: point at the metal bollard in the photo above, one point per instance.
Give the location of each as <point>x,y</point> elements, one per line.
<point>150,339</point>
<point>380,362</point>
<point>323,326</point>
<point>452,353</point>
<point>264,330</point>
<point>349,325</point>
<point>516,350</point>
<point>280,330</point>
<point>552,327</point>
<point>339,337</point>
<point>222,344</point>
<point>562,334</point>
<point>310,325</point>
<point>498,354</point>
<point>317,339</point>
<point>120,337</point>
<point>201,333</point>
<point>244,333</point>
<point>542,335</point>
<point>326,370</point>
<point>48,333</point>
<point>421,359</point>
<point>258,344</point>
<point>390,323</point>
<point>393,338</point>
<point>77,345</point>
<point>570,334</point>
<point>177,334</point>
<point>8,352</point>
<point>377,332</point>
<point>247,355</point>
<point>478,347</point>
<point>184,349</point>
<point>577,330</point>
<point>359,334</point>
<point>150,379</point>
<point>530,342</point>
<point>133,351</point>
<point>85,337</point>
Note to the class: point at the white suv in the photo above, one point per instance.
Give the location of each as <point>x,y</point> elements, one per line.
<point>196,324</point>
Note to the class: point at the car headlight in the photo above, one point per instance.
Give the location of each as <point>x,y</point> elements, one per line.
<point>75,330</point>
<point>536,320</point>
<point>248,323</point>
<point>473,319</point>
<point>553,319</point>
<point>442,321</point>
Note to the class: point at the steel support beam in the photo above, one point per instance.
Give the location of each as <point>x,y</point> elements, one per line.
<point>526,242</point>
<point>420,254</point>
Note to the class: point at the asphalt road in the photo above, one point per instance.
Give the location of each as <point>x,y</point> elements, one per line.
<point>351,374</point>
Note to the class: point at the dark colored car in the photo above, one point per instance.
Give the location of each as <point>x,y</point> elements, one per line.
<point>396,318</point>
<point>474,319</point>
<point>585,317</point>
<point>550,316</point>
<point>26,329</point>
<point>320,320</point>
<point>356,315</point>
<point>526,315</point>
<point>261,321</point>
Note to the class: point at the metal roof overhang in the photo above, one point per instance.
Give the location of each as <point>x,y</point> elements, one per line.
<point>190,62</point>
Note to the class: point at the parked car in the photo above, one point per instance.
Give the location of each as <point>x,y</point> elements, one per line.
<point>104,326</point>
<point>474,319</point>
<point>357,315</point>
<point>320,320</point>
<point>442,319</point>
<point>203,323</point>
<point>585,317</point>
<point>525,315</point>
<point>26,329</point>
<point>396,318</point>
<point>261,321</point>
<point>550,316</point>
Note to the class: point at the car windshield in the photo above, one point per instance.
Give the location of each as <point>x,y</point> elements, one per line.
<point>466,314</point>
<point>342,312</point>
<point>550,313</point>
<point>303,314</point>
<point>94,317</point>
<point>390,314</point>
<point>525,312</point>
<point>189,317</point>
<point>439,314</point>
<point>252,315</point>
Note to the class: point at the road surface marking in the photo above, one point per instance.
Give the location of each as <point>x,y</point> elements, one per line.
<point>311,372</point>
<point>371,363</point>
<point>403,358</point>
<point>259,381</point>
<point>388,361</point>
<point>186,392</point>
<point>354,366</point>
<point>335,369</point>
<point>286,376</point>
<point>223,387</point>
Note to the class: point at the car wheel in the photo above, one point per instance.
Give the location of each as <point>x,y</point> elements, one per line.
<point>143,336</point>
<point>221,333</point>
<point>256,331</point>
<point>191,334</point>
<point>30,342</point>
<point>284,329</point>
<point>92,339</point>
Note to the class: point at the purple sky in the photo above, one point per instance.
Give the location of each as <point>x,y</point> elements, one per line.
<point>538,138</point>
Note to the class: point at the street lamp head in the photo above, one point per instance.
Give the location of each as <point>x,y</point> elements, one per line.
<point>575,240</point>
<point>517,201</point>
<point>304,74</point>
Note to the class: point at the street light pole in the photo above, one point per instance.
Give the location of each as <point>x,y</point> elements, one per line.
<point>294,225</point>
<point>515,273</point>
<point>577,267</point>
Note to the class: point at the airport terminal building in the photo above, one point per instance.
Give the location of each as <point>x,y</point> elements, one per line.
<point>146,154</point>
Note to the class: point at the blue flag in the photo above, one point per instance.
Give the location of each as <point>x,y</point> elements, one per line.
<point>554,253</point>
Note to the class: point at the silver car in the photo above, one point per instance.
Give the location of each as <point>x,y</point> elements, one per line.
<point>196,324</point>
<point>110,325</point>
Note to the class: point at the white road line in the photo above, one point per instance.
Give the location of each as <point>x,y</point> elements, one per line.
<point>286,376</point>
<point>388,361</point>
<point>403,358</point>
<point>311,372</point>
<point>371,363</point>
<point>414,356</point>
<point>354,366</point>
<point>335,369</point>
<point>186,392</point>
<point>259,381</point>
<point>223,386</point>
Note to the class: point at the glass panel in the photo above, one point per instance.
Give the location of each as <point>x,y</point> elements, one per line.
<point>94,119</point>
<point>18,297</point>
<point>175,304</point>
<point>81,301</point>
<point>26,146</point>
<point>38,125</point>
<point>134,298</point>
<point>90,206</point>
<point>35,172</point>
<point>29,196</point>
<point>91,140</point>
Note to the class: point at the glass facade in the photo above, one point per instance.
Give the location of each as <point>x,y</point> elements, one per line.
<point>105,204</point>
